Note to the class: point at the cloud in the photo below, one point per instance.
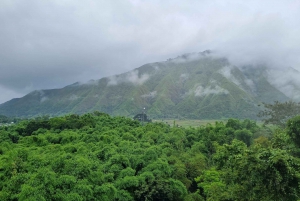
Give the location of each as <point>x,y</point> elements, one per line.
<point>7,93</point>
<point>287,82</point>
<point>188,57</point>
<point>130,77</point>
<point>267,38</point>
<point>90,82</point>
<point>183,77</point>
<point>73,97</point>
<point>156,67</point>
<point>250,83</point>
<point>226,71</point>
<point>149,95</point>
<point>50,44</point>
<point>43,99</point>
<point>42,95</point>
<point>204,91</point>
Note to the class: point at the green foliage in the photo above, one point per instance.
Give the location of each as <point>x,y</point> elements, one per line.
<point>98,157</point>
<point>8,120</point>
<point>172,91</point>
<point>212,186</point>
<point>257,173</point>
<point>293,130</point>
<point>244,135</point>
<point>278,113</point>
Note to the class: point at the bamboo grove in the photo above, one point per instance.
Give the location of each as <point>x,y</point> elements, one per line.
<point>98,157</point>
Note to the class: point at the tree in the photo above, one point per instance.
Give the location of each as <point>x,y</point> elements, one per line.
<point>244,135</point>
<point>293,131</point>
<point>255,173</point>
<point>211,185</point>
<point>278,113</point>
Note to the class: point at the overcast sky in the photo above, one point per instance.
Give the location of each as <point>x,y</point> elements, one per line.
<point>51,44</point>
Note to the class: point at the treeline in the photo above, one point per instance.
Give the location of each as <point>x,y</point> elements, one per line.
<point>5,120</point>
<point>99,157</point>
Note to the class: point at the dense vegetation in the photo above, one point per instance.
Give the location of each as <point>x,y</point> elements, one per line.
<point>279,113</point>
<point>6,120</point>
<point>99,157</point>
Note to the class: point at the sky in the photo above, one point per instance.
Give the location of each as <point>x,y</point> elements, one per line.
<point>51,44</point>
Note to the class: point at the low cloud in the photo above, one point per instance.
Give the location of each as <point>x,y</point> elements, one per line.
<point>130,77</point>
<point>287,81</point>
<point>42,95</point>
<point>149,95</point>
<point>250,83</point>
<point>73,97</point>
<point>156,68</point>
<point>43,99</point>
<point>226,71</point>
<point>50,44</point>
<point>184,77</point>
<point>188,57</point>
<point>204,91</point>
<point>90,82</point>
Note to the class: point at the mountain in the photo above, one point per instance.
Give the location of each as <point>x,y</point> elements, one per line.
<point>196,85</point>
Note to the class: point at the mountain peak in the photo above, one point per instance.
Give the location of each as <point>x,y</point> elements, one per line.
<point>195,85</point>
<point>191,56</point>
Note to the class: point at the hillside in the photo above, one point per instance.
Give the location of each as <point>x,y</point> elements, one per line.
<point>190,86</point>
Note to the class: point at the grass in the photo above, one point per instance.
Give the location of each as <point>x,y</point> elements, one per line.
<point>188,122</point>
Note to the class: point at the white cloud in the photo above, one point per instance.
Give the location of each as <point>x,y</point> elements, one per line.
<point>184,76</point>
<point>186,58</point>
<point>130,77</point>
<point>250,83</point>
<point>151,94</point>
<point>156,67</point>
<point>50,44</point>
<point>73,97</point>
<point>204,91</point>
<point>227,73</point>
<point>42,95</point>
<point>287,81</point>
<point>43,99</point>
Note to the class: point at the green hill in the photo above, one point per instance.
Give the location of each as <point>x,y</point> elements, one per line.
<point>189,86</point>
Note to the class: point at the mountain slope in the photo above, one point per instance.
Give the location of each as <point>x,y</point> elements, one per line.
<point>189,86</point>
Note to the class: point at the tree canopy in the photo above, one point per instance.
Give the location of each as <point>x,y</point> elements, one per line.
<point>98,157</point>
<point>278,113</point>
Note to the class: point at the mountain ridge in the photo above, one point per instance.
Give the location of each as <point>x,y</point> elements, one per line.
<point>196,85</point>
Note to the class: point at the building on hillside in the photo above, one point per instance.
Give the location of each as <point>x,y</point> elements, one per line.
<point>142,118</point>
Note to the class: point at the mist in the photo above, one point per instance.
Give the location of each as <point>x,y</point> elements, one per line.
<point>51,44</point>
<point>130,77</point>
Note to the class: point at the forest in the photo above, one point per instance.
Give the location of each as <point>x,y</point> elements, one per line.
<point>95,156</point>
